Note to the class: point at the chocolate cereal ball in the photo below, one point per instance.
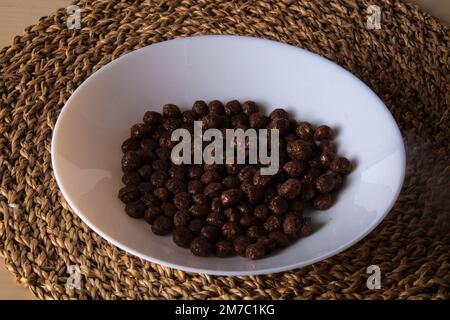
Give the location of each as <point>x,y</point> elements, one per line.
<point>148,144</point>
<point>255,232</point>
<point>248,221</point>
<point>131,144</point>
<point>240,244</point>
<point>255,251</point>
<point>165,140</point>
<point>249,107</point>
<point>231,182</point>
<point>177,172</point>
<point>269,194</point>
<point>282,125</point>
<point>261,212</point>
<point>247,173</point>
<point>131,178</point>
<point>231,197</point>
<point>296,206</point>
<point>290,189</point>
<point>269,244</point>
<point>131,160</point>
<point>216,107</point>
<point>232,215</point>
<point>232,169</point>
<point>158,179</point>
<point>312,174</point>
<point>338,180</point>
<point>291,224</point>
<point>135,209</point>
<point>323,132</point>
<point>325,159</point>
<point>200,107</point>
<point>182,236</point>
<point>145,171</point>
<point>341,165</point>
<point>129,194</point>
<point>294,168</point>
<point>196,225</point>
<point>210,177</point>
<point>195,172</point>
<point>278,205</point>
<point>273,223</point>
<point>262,181</point>
<point>212,233</point>
<point>189,116</point>
<point>325,183</point>
<point>162,226</point>
<point>299,150</point>
<point>171,124</point>
<point>213,189</point>
<point>306,228</point>
<point>245,208</point>
<point>232,108</point>
<point>258,121</point>
<point>239,121</point>
<point>231,230</point>
<point>140,130</point>
<point>281,239</point>
<point>216,205</point>
<point>305,131</point>
<point>182,200</point>
<point>201,200</point>
<point>323,201</point>
<point>168,209</point>
<point>201,247</point>
<point>162,194</point>
<point>279,114</point>
<point>145,188</point>
<point>181,218</point>
<point>215,219</point>
<point>171,111</point>
<point>195,187</point>
<point>308,191</point>
<point>153,118</point>
<point>199,211</point>
<point>150,200</point>
<point>254,195</point>
<point>224,248</point>
<point>175,185</point>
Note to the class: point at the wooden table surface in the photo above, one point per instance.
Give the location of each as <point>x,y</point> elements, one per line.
<point>15,15</point>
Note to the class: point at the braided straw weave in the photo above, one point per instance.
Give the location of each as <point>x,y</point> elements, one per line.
<point>406,62</point>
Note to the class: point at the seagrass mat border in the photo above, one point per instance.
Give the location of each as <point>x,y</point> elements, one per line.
<point>406,62</point>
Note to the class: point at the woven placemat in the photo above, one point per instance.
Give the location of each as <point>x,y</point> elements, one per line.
<point>406,63</point>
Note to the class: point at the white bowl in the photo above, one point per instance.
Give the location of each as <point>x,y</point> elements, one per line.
<point>97,118</point>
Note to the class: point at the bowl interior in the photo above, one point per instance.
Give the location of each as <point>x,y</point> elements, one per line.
<point>86,143</point>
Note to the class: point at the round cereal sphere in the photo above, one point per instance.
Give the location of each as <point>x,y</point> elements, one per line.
<point>162,225</point>
<point>323,132</point>
<point>211,233</point>
<point>224,248</point>
<point>182,236</point>
<point>201,247</point>
<point>325,183</point>
<point>255,251</point>
<point>341,165</point>
<point>135,209</point>
<point>131,178</point>
<point>231,230</point>
<point>240,244</point>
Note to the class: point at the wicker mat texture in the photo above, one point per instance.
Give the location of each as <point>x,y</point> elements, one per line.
<point>406,63</point>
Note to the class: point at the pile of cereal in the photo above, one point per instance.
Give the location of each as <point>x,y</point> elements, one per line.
<point>228,209</point>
